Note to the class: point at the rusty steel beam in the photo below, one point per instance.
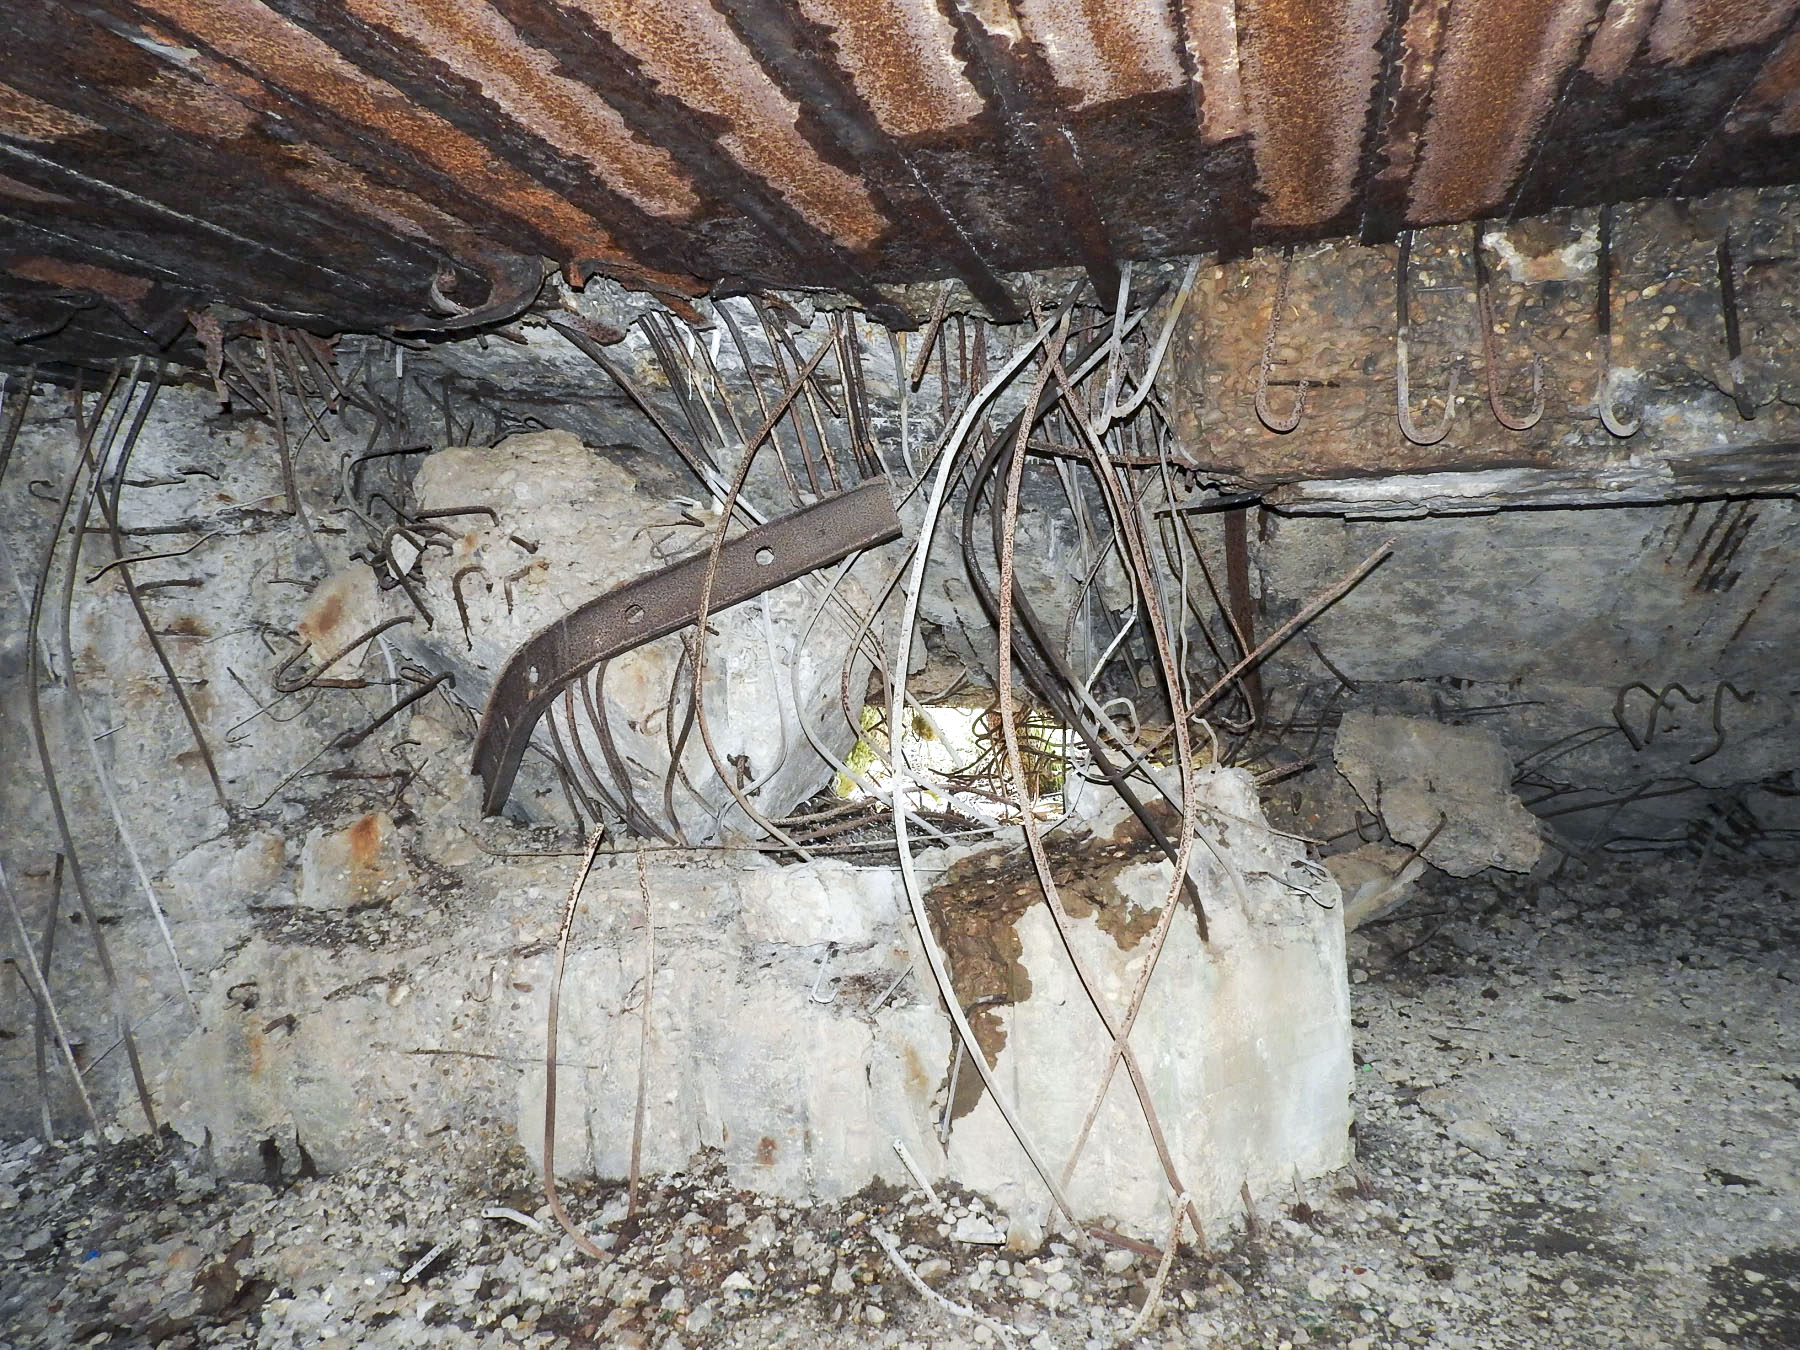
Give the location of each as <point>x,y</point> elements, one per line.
<point>1014,82</point>
<point>768,220</point>
<point>661,603</point>
<point>371,165</point>
<point>433,82</point>
<point>794,53</point>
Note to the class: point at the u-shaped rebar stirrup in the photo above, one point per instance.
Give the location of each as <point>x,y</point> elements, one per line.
<point>1609,408</point>
<point>1484,310</point>
<point>1603,392</point>
<point>1402,372</point>
<point>1268,418</point>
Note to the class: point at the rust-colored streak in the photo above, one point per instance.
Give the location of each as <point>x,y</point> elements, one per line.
<point>205,210</point>
<point>1503,62</point>
<point>1308,71</point>
<point>1103,50</point>
<point>191,107</point>
<point>24,192</point>
<point>343,185</point>
<point>1618,38</point>
<point>1777,89</point>
<point>690,51</point>
<point>808,65</point>
<point>480,45</point>
<point>901,58</point>
<point>1687,30</point>
<point>81,277</point>
<point>365,845</point>
<point>1212,40</point>
<point>286,55</point>
<point>1019,89</point>
<point>25,118</point>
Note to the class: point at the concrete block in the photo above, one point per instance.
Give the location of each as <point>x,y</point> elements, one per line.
<point>1244,1041</point>
<point>1446,788</point>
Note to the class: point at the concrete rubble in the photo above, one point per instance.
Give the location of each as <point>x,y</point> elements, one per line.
<point>567,525</point>
<point>1376,880</point>
<point>1443,790</point>
<point>785,1031</point>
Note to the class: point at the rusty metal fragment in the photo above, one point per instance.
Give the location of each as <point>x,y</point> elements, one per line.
<point>661,603</point>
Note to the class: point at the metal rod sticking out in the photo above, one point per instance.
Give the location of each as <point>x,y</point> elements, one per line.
<point>1603,394</point>
<point>1734,345</point>
<point>1403,387</point>
<point>1484,308</point>
<point>1269,419</point>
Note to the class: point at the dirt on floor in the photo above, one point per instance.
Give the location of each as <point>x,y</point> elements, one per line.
<point>1576,1126</point>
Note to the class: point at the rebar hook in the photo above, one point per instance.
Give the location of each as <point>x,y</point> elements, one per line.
<point>1274,423</point>
<point>1485,311</point>
<point>1402,381</point>
<point>1603,393</point>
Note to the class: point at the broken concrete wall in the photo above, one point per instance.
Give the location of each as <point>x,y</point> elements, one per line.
<point>369,958</point>
<point>205,492</point>
<point>1630,660</point>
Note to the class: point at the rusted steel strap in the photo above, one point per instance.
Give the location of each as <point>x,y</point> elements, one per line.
<point>661,603</point>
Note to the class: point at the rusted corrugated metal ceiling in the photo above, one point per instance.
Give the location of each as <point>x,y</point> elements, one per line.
<point>373,164</point>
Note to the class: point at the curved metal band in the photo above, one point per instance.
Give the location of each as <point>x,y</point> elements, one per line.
<point>661,603</point>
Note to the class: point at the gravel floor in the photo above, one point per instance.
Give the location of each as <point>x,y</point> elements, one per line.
<point>1577,1108</point>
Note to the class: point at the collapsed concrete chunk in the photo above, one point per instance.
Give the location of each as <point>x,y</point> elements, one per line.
<point>1244,1039</point>
<point>1442,789</point>
<point>802,1041</point>
<point>567,525</point>
<point>1376,879</point>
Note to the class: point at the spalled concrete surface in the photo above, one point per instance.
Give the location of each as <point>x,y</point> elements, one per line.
<point>1244,1040</point>
<point>1669,355</point>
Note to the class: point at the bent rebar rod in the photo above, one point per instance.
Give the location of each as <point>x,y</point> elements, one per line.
<point>1603,393</point>
<point>1402,373</point>
<point>1484,311</point>
<point>1274,422</point>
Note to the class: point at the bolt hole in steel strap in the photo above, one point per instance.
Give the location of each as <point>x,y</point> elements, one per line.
<point>661,603</point>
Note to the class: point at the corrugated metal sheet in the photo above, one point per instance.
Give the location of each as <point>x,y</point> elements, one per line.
<point>364,163</point>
